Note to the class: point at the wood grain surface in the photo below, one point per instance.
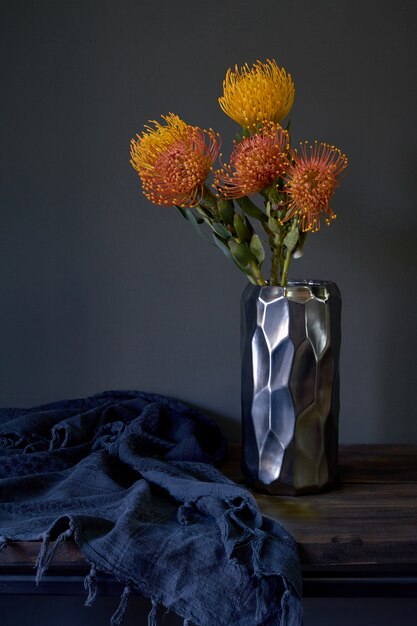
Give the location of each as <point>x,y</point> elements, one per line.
<point>368,520</point>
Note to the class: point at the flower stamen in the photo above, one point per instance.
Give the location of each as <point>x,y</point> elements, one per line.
<point>174,160</point>
<point>255,163</point>
<point>254,94</point>
<point>311,181</point>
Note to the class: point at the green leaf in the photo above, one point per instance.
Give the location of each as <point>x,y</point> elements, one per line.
<point>226,251</point>
<point>203,212</point>
<point>209,203</point>
<point>276,195</point>
<point>272,194</point>
<point>182,211</point>
<point>240,252</point>
<point>250,208</point>
<point>291,238</point>
<point>220,230</point>
<point>226,210</point>
<point>195,222</point>
<point>274,225</point>
<point>222,246</point>
<point>192,218</point>
<point>242,230</point>
<point>299,250</point>
<point>257,248</point>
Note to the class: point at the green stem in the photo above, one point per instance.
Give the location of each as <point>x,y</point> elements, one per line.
<point>285,269</point>
<point>208,201</point>
<point>257,274</point>
<point>291,244</point>
<point>276,247</point>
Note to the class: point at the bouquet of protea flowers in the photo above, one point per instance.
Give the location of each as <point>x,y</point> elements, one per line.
<point>174,160</point>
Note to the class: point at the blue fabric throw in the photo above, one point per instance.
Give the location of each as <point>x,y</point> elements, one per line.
<point>131,477</point>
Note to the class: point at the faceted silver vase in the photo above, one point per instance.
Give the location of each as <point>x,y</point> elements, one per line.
<point>290,386</point>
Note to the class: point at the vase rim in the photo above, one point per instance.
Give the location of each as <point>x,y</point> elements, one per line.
<point>298,290</point>
<point>309,282</point>
<point>298,282</point>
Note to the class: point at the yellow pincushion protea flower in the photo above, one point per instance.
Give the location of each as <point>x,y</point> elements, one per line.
<point>257,94</point>
<point>174,160</point>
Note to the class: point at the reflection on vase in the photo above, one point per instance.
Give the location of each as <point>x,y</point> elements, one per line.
<point>290,386</point>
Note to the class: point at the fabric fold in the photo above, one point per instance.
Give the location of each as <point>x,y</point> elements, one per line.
<point>131,477</point>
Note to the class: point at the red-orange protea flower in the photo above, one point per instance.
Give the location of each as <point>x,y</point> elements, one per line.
<point>174,160</point>
<point>255,163</point>
<point>311,181</point>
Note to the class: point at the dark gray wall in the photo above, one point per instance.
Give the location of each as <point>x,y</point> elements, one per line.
<point>100,289</point>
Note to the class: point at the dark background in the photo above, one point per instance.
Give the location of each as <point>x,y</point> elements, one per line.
<point>100,289</point>
<point>67,611</point>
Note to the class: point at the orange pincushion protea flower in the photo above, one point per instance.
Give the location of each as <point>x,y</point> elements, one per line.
<point>255,163</point>
<point>257,94</point>
<point>174,160</point>
<point>311,181</point>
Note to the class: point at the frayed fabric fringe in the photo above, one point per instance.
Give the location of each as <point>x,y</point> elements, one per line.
<point>118,616</point>
<point>3,543</point>
<point>44,559</point>
<point>152,614</point>
<point>56,440</point>
<point>291,610</point>
<point>45,556</point>
<point>90,585</point>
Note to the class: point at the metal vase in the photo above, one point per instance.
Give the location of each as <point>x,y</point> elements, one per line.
<point>290,386</point>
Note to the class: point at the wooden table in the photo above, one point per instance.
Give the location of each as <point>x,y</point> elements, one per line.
<point>358,540</point>
<point>361,538</point>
